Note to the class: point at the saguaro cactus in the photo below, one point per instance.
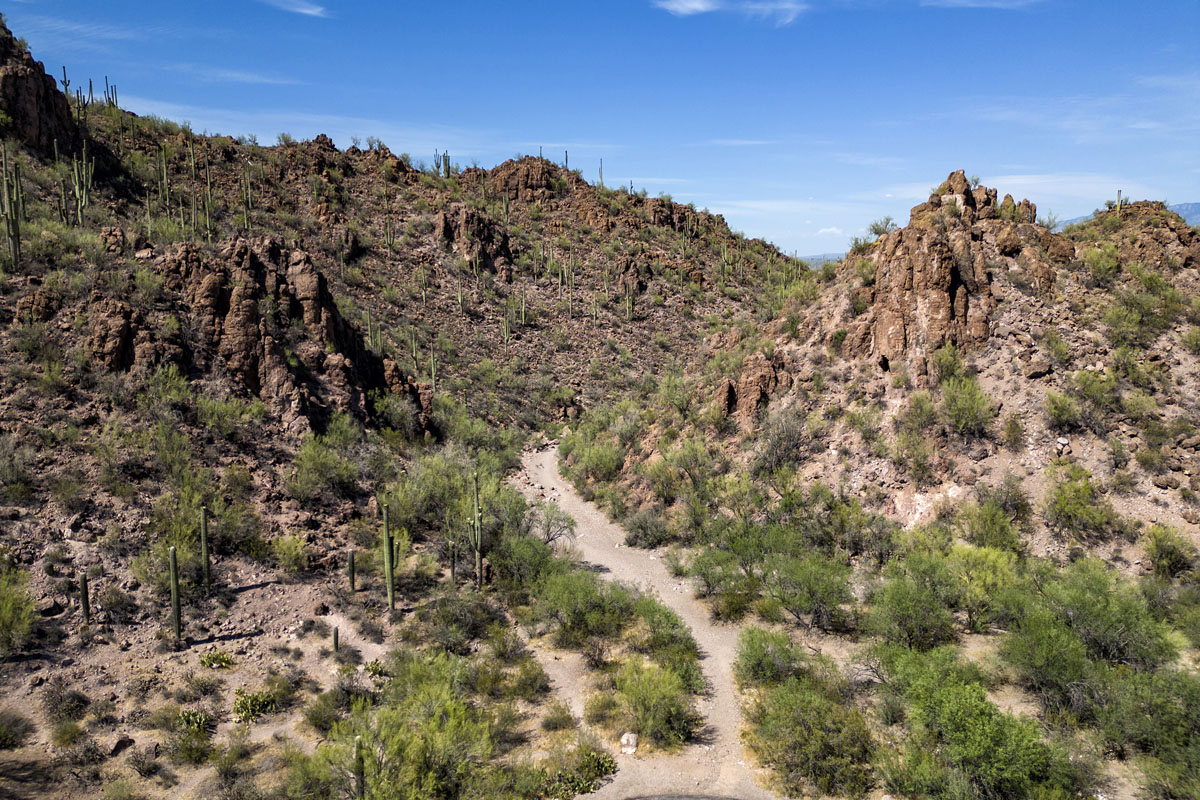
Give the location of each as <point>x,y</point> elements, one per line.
<point>388,561</point>
<point>360,770</point>
<point>85,604</point>
<point>12,204</point>
<point>176,627</point>
<point>336,643</point>
<point>475,534</point>
<point>350,570</point>
<point>204,547</point>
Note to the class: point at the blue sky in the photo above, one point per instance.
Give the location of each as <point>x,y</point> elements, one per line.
<point>800,121</point>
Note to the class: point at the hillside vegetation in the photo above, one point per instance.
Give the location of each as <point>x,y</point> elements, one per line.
<point>945,487</point>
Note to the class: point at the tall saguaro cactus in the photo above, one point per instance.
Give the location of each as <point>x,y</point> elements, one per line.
<point>85,604</point>
<point>12,203</point>
<point>176,626</point>
<point>388,560</point>
<point>204,547</point>
<point>360,770</point>
<point>82,174</point>
<point>475,534</point>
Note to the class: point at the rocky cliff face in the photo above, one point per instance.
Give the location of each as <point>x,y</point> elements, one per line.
<point>31,107</point>
<point>261,316</point>
<point>929,284</point>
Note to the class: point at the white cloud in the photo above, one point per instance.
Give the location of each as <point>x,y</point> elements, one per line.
<point>831,232</point>
<point>1086,187</point>
<point>739,142</point>
<point>1006,5</point>
<point>664,181</point>
<point>685,8</point>
<point>781,12</point>
<point>38,26</point>
<point>218,75</point>
<point>868,160</point>
<point>265,124</point>
<point>299,7</point>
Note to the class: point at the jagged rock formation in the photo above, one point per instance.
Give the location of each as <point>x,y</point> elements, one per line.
<point>929,284</point>
<point>760,379</point>
<point>263,316</point>
<point>478,238</point>
<point>31,107</point>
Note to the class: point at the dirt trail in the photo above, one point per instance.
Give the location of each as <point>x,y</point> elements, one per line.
<point>717,766</point>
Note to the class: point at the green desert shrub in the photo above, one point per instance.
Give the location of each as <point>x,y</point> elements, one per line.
<point>966,407</point>
<point>1103,262</point>
<point>1075,506</point>
<point>812,589</point>
<point>291,553</point>
<point>811,738</point>
<point>584,606</point>
<point>767,657</point>
<point>989,525</point>
<point>909,613</point>
<point>1048,657</point>
<point>14,729</point>
<point>784,441</point>
<point>1062,412</point>
<point>1110,616</point>
<point>1172,555</point>
<point>1191,340</point>
<point>320,469</point>
<point>16,609</point>
<point>947,363</point>
<point>658,703</point>
<point>960,744</point>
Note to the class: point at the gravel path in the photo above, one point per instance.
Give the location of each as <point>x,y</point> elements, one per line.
<point>716,766</point>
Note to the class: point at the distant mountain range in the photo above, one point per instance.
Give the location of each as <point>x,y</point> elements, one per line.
<point>1189,211</point>
<point>821,258</point>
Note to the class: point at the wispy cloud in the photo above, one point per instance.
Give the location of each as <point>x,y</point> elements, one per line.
<point>1186,83</point>
<point>1006,5</point>
<point>740,142</point>
<point>833,231</point>
<point>299,7</point>
<point>869,160</point>
<point>34,26</point>
<point>265,124</point>
<point>685,8</point>
<point>661,181</point>
<point>1090,187</point>
<point>219,75</point>
<point>56,36</point>
<point>781,12</point>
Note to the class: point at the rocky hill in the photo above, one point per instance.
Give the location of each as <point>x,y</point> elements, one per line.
<point>280,340</point>
<point>230,370</point>
<point>959,421</point>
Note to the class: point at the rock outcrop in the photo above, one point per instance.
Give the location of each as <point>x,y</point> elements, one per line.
<point>929,284</point>
<point>32,109</point>
<point>262,317</point>
<point>528,180</point>
<point>760,380</point>
<point>1147,233</point>
<point>478,238</point>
